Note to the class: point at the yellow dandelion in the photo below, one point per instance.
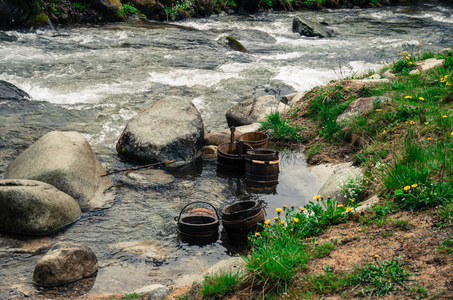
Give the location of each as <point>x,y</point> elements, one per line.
<point>275,218</point>
<point>257,234</point>
<point>303,209</point>
<point>352,200</point>
<point>408,97</point>
<point>414,185</point>
<point>399,54</point>
<point>267,222</point>
<point>282,222</point>
<point>340,205</point>
<point>406,188</point>
<point>378,109</point>
<point>348,209</point>
<point>328,197</point>
<point>376,256</point>
<point>284,206</point>
<point>296,220</point>
<point>421,98</point>
<point>426,123</point>
<point>429,139</point>
<point>446,76</point>
<point>452,133</point>
<point>410,63</point>
<point>448,83</point>
<point>317,197</point>
<point>279,210</point>
<point>407,57</point>
<point>412,122</point>
<point>420,45</point>
<point>443,79</point>
<point>444,116</point>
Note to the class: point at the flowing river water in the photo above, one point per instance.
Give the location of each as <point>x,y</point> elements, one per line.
<point>92,79</point>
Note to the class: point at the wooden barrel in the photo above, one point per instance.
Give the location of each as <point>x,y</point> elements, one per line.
<point>256,139</point>
<point>243,218</point>
<point>229,158</point>
<point>261,166</point>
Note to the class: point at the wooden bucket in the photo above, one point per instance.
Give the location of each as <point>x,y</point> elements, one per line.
<point>256,139</point>
<point>261,166</point>
<point>231,156</point>
<point>198,222</point>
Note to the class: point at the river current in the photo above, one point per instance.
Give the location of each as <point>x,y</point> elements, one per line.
<point>92,79</point>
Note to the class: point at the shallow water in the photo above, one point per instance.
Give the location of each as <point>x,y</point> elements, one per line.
<point>93,79</point>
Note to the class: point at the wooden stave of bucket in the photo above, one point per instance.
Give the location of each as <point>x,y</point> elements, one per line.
<point>256,139</point>
<point>262,166</point>
<point>231,160</point>
<point>198,225</point>
<point>241,210</point>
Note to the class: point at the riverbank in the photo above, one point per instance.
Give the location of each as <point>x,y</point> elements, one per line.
<point>400,245</point>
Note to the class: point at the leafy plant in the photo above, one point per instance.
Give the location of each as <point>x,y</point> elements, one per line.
<point>130,9</point>
<point>353,186</point>
<point>380,278</point>
<point>133,296</point>
<point>184,6</point>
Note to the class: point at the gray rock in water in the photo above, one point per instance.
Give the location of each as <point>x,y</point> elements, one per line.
<point>34,207</point>
<point>9,91</point>
<point>66,161</point>
<point>13,13</point>
<point>171,129</point>
<point>308,28</point>
<point>253,110</point>
<point>359,107</point>
<point>65,263</point>
<point>157,251</point>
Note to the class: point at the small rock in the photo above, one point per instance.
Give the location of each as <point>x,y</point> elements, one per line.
<point>66,263</point>
<point>427,64</point>
<point>154,292</point>
<point>210,150</point>
<point>446,52</point>
<point>359,107</point>
<point>308,28</point>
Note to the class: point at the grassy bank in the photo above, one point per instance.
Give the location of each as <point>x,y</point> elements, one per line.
<point>398,248</point>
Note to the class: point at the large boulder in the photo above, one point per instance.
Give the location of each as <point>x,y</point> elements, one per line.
<point>9,91</point>
<point>359,107</point>
<point>65,263</point>
<point>34,207</point>
<point>253,110</point>
<point>152,9</point>
<point>13,13</point>
<point>308,28</point>
<point>171,129</point>
<point>66,161</point>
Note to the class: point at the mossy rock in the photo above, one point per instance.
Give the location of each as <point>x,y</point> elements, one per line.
<point>235,44</point>
<point>40,20</point>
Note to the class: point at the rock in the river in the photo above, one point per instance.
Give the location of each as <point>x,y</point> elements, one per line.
<point>308,28</point>
<point>9,91</point>
<point>34,207</point>
<point>13,13</point>
<point>219,137</point>
<point>253,110</point>
<point>235,44</point>
<point>156,251</point>
<point>66,161</point>
<point>360,106</point>
<point>65,263</point>
<point>171,129</point>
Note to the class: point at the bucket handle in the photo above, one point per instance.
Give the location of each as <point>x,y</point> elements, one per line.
<point>264,162</point>
<point>184,208</point>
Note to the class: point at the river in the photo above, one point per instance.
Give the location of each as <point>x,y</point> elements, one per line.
<point>92,79</point>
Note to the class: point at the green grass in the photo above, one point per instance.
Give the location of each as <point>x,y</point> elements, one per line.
<point>280,130</point>
<point>133,296</point>
<point>217,286</point>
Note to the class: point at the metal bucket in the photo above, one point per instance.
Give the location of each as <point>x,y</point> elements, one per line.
<point>198,223</point>
<point>256,139</point>
<point>261,166</point>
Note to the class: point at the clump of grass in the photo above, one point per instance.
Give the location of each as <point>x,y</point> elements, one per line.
<point>353,186</point>
<point>404,65</point>
<point>380,279</point>
<point>219,285</point>
<point>447,246</point>
<point>280,130</point>
<point>324,249</point>
<point>133,296</point>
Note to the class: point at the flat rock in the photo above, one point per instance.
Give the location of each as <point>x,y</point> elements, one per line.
<point>171,129</point>
<point>308,28</point>
<point>66,161</point>
<point>368,203</point>
<point>426,65</point>
<point>249,128</point>
<point>154,291</point>
<point>219,137</point>
<point>253,110</point>
<point>154,250</point>
<point>66,263</point>
<point>34,207</point>
<point>359,107</point>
